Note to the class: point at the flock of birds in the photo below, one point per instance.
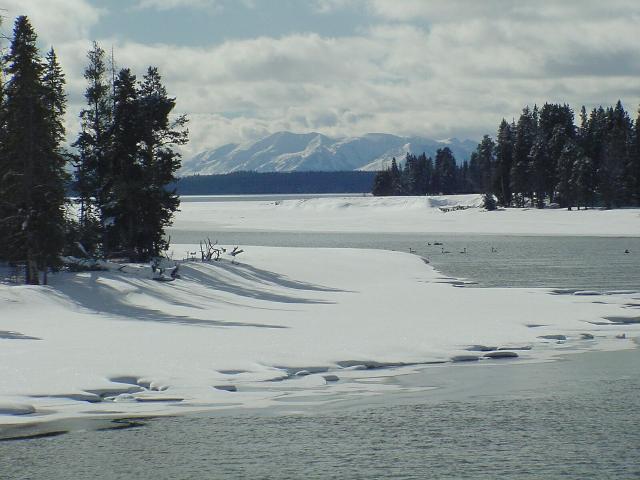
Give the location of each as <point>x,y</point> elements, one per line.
<point>444,252</point>
<point>464,250</point>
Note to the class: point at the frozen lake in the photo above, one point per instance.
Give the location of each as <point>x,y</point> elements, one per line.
<point>574,418</point>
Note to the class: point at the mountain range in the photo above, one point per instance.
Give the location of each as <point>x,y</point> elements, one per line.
<point>287,152</point>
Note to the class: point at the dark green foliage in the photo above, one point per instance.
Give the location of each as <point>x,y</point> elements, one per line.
<point>504,162</point>
<point>32,181</point>
<point>142,165</point>
<point>566,190</point>
<point>539,159</point>
<point>482,174</point>
<point>584,181</point>
<point>94,142</point>
<point>125,171</point>
<point>525,134</point>
<point>445,171</point>
<point>489,202</point>
<point>383,184</point>
<point>159,160</point>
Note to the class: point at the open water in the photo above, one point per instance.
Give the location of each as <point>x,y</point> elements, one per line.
<point>576,262</point>
<point>578,418</point>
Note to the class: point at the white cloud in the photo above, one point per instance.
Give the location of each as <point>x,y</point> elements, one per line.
<point>55,21</point>
<point>162,5</point>
<point>439,11</point>
<point>329,6</point>
<point>432,68</point>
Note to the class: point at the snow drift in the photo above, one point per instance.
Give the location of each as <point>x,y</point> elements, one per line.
<point>279,323</point>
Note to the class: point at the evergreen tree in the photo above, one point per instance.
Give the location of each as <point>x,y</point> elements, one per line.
<point>556,129</point>
<point>383,184</point>
<point>159,161</point>
<point>486,162</point>
<point>410,174</point>
<point>584,181</point>
<point>445,167</point>
<point>396,178</point>
<point>525,135</point>
<point>92,175</point>
<point>504,162</point>
<point>474,172</point>
<point>538,162</point>
<point>615,156</point>
<point>125,178</point>
<point>32,187</point>
<point>566,187</point>
<point>421,175</point>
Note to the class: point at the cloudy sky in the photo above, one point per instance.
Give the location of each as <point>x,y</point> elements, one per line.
<point>244,68</point>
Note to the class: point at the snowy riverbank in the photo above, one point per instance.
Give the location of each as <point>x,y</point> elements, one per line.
<point>281,322</point>
<point>399,214</point>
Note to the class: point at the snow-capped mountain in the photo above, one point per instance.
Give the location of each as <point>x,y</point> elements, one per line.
<point>286,152</point>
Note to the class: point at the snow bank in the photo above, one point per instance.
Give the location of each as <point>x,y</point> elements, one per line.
<point>278,323</point>
<point>439,214</point>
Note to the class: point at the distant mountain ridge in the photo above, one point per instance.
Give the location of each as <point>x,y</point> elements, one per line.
<point>289,152</point>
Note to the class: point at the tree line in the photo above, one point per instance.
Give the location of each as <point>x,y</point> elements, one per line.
<point>122,162</point>
<point>253,183</point>
<point>541,159</point>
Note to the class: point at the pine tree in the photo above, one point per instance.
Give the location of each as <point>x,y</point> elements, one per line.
<point>421,176</point>
<point>584,181</point>
<point>32,186</point>
<point>615,156</point>
<point>383,184</point>
<point>446,170</point>
<point>504,162</point>
<point>556,128</point>
<point>396,178</point>
<point>486,164</point>
<point>525,135</point>
<point>538,162</point>
<point>125,178</point>
<point>566,186</point>
<point>55,177</point>
<point>159,160</point>
<point>92,175</point>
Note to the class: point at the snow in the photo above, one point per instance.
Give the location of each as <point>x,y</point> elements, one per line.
<point>287,151</point>
<point>402,214</point>
<point>277,325</point>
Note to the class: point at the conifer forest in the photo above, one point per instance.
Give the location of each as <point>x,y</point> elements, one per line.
<point>122,164</point>
<point>541,159</point>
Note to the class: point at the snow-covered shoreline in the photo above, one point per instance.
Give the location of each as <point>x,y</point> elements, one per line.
<point>277,323</point>
<point>400,215</point>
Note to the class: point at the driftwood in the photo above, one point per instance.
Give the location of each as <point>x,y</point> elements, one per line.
<point>210,250</point>
<point>454,208</point>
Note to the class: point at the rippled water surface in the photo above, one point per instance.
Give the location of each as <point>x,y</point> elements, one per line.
<point>574,419</point>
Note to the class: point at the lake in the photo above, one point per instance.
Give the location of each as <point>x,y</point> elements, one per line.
<point>575,418</point>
